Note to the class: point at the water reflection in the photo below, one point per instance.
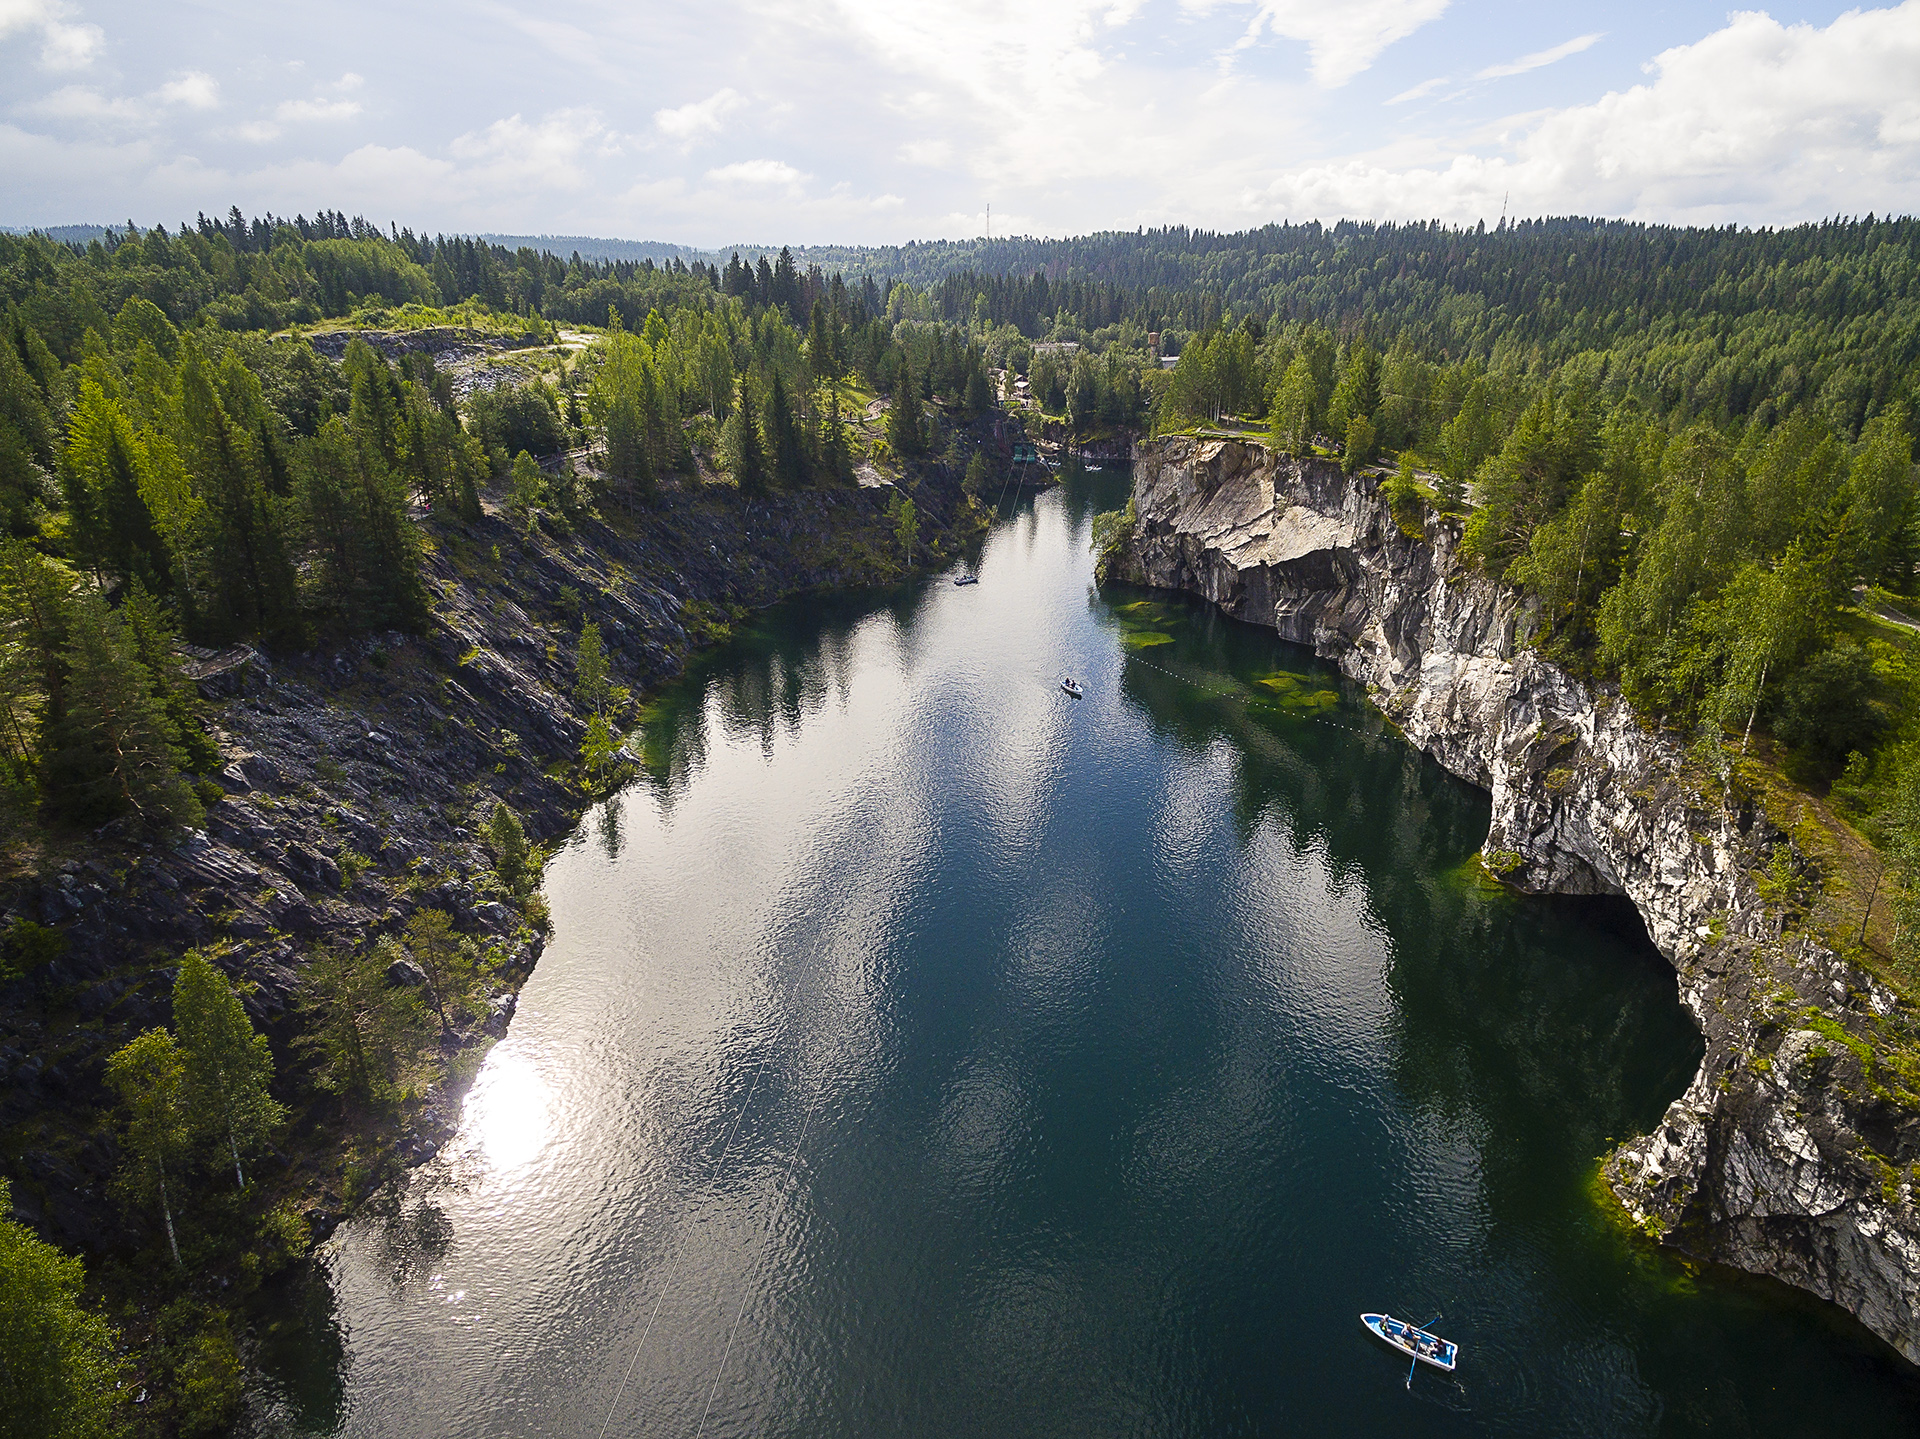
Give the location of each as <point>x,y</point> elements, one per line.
<point>920,1051</point>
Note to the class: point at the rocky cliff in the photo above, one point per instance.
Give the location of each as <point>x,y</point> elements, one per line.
<point>1793,1152</point>
<point>354,780</point>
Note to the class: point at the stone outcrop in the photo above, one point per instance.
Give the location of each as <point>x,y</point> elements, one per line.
<point>1793,1153</point>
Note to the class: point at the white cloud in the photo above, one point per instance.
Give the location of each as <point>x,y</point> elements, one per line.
<point>701,117</point>
<point>1342,39</point>
<point>64,45</point>
<point>296,111</point>
<point>1418,92</point>
<point>542,156</point>
<point>196,90</point>
<point>757,172</point>
<point>86,104</point>
<point>1758,122</point>
<point>926,152</point>
<point>1541,57</point>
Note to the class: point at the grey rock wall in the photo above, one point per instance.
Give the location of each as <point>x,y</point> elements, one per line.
<point>1786,1156</point>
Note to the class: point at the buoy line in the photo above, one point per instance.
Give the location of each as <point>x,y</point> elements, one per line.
<point>673,1268</point>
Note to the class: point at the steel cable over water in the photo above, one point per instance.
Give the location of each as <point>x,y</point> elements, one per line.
<point>674,1267</point>
<point>747,1290</point>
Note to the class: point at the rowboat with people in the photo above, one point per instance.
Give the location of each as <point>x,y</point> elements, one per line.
<point>1413,1339</point>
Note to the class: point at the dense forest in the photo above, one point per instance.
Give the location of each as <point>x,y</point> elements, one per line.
<point>1693,450</point>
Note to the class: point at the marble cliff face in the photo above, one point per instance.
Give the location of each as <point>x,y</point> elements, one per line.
<point>1783,1157</point>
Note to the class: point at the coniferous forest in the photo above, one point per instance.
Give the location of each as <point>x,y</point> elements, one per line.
<point>1693,450</point>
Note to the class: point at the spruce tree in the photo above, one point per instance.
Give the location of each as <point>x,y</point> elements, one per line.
<point>740,449</point>
<point>228,1064</point>
<point>508,839</point>
<point>253,582</point>
<point>906,423</point>
<point>113,529</point>
<point>836,456</point>
<point>112,751</point>
<point>786,449</point>
<point>26,442</point>
<point>155,641</point>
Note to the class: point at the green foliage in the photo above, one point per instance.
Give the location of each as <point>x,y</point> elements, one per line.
<point>58,1367</point>
<point>200,1365</point>
<point>906,420</point>
<point>590,670</point>
<point>1360,444</point>
<point>1112,532</point>
<point>508,840</point>
<point>229,1067</point>
<point>906,523</point>
<point>112,749</point>
<point>1291,418</point>
<point>1402,492</point>
<point>449,961</point>
<point>27,945</point>
<point>598,746</point>
<point>148,1075</point>
<point>366,1032</point>
<point>513,418</point>
<point>741,452</point>
<point>528,487</point>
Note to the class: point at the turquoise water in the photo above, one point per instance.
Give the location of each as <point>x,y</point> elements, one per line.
<point>921,1051</point>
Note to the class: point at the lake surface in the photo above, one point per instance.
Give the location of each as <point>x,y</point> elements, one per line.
<point>920,1051</point>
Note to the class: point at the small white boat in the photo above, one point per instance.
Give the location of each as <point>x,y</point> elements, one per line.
<point>1412,1340</point>
<point>1072,687</point>
<point>966,579</point>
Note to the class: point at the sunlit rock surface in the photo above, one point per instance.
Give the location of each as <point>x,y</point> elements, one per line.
<point>1779,1158</point>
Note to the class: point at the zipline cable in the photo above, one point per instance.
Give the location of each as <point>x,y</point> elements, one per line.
<point>674,1267</point>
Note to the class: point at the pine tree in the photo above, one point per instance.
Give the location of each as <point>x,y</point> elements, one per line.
<point>228,1064</point>
<point>149,1076</point>
<point>448,961</point>
<point>366,1030</point>
<point>112,750</point>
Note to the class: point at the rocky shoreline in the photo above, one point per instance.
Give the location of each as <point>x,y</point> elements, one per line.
<point>354,781</point>
<point>1794,1153</point>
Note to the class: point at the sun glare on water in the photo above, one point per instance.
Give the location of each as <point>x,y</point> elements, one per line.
<point>510,1112</point>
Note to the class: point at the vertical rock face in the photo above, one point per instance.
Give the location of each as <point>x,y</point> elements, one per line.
<point>1785,1156</point>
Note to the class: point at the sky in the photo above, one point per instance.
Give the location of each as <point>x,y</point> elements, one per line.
<point>879,121</point>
